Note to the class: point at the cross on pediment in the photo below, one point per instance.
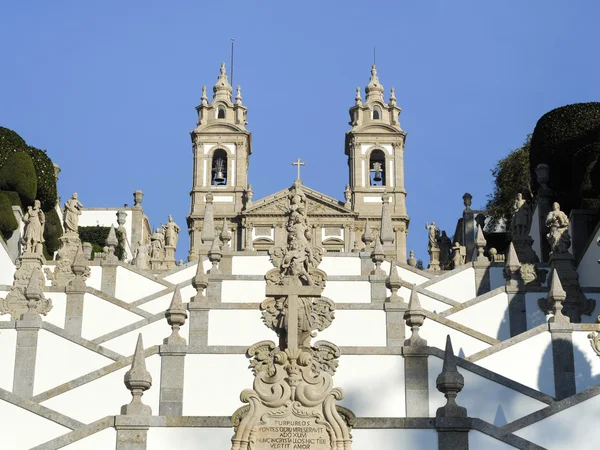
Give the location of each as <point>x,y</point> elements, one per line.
<point>299,163</point>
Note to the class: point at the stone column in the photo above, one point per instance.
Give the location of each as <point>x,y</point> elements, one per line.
<point>395,308</point>
<point>137,221</point>
<point>416,365</point>
<point>199,309</point>
<point>75,294</point>
<point>248,247</point>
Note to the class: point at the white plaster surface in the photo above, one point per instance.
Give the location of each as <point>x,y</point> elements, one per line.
<point>105,439</point>
<point>223,327</point>
<point>348,291</point>
<point>8,268</point>
<point>489,317</point>
<point>73,360</point>
<point>358,375</point>
<point>572,428</point>
<point>588,268</point>
<point>95,279</point>
<point>459,287</point>
<point>428,303</point>
<point>158,304</point>
<point>534,316</point>
<point>406,275</point>
<point>364,439</point>
<point>250,265</point>
<point>243,291</point>
<point>496,277</point>
<point>189,438</point>
<point>153,334</point>
<point>105,395</point>
<point>587,362</point>
<point>528,362</point>
<point>101,317</point>
<point>481,441</point>
<point>482,397</point>
<point>56,316</point>
<point>435,333</point>
<point>213,384</point>
<point>8,344</point>
<point>356,327</point>
<point>340,266</point>
<point>21,429</point>
<point>131,286</point>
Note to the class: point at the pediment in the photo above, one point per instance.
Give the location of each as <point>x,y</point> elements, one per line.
<point>317,204</point>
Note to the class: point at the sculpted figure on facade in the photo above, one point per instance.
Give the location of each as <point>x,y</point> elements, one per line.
<point>558,235</point>
<point>33,235</point>
<point>71,214</point>
<point>445,250</point>
<point>434,236</point>
<point>171,232</point>
<point>158,244</point>
<point>141,255</point>
<point>521,216</point>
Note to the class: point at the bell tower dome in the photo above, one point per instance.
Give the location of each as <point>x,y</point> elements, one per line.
<point>375,149</point>
<point>221,146</point>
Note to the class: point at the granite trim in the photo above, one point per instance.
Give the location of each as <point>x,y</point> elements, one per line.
<point>81,341</point>
<point>473,301</point>
<point>499,346</point>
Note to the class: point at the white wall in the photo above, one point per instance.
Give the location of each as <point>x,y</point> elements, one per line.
<point>587,361</point>
<point>105,395</point>
<point>573,428</point>
<point>189,438</point>
<point>340,266</point>
<point>21,429</point>
<point>394,439</point>
<point>489,317</point>
<point>534,316</point>
<point>250,265</point>
<point>105,439</point>
<point>8,268</point>
<point>496,277</point>
<point>588,268</point>
<point>406,275</point>
<point>481,441</point>
<point>223,327</point>
<point>348,291</point>
<point>56,316</point>
<point>95,279</point>
<point>428,303</point>
<point>131,286</point>
<point>528,362</point>
<point>435,333</point>
<point>356,327</point>
<point>188,273</point>
<point>459,287</point>
<point>54,352</point>
<point>101,317</point>
<point>482,397</point>
<point>242,291</point>
<point>153,334</point>
<point>8,344</point>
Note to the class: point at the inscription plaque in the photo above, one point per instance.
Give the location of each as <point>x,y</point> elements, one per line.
<point>291,433</point>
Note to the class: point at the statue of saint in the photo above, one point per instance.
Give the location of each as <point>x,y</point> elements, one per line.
<point>71,214</point>
<point>141,256</point>
<point>459,254</point>
<point>157,244</point>
<point>171,230</point>
<point>521,216</point>
<point>558,235</point>
<point>33,235</point>
<point>434,236</point>
<point>445,249</point>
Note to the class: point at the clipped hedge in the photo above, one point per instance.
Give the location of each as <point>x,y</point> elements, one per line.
<point>568,140</point>
<point>13,198</point>
<point>8,223</point>
<point>97,237</point>
<point>18,174</point>
<point>52,232</point>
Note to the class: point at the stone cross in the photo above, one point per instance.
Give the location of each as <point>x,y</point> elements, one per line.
<point>299,163</point>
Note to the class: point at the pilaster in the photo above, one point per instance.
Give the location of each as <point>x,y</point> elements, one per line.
<point>132,432</point>
<point>563,359</point>
<point>26,351</point>
<point>171,379</point>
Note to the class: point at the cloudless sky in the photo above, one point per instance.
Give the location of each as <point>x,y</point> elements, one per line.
<point>108,88</point>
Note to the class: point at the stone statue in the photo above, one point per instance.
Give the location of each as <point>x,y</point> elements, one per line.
<point>141,256</point>
<point>71,214</point>
<point>171,231</point>
<point>33,236</point>
<point>459,255</point>
<point>434,236</point>
<point>157,243</point>
<point>347,195</point>
<point>521,216</point>
<point>445,249</point>
<point>558,235</point>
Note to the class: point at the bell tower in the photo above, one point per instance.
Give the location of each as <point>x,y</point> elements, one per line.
<point>221,146</point>
<point>375,149</point>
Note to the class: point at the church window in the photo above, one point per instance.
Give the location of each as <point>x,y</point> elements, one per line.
<point>221,113</point>
<point>377,168</point>
<point>219,168</point>
<point>376,113</point>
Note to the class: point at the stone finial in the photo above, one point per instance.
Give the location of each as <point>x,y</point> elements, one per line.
<point>222,89</point>
<point>204,98</point>
<point>412,261</point>
<point>393,283</point>
<point>556,297</point>
<point>176,315</point>
<point>111,243</point>
<point>367,236</point>
<point>87,250</point>
<point>450,382</point>
<point>358,98</point>
<point>377,256</point>
<point>137,380</point>
<point>467,200</point>
<point>199,282</point>
<point>513,265</point>
<point>79,269</point>
<point>238,95</point>
<point>374,89</point>
<point>480,242</point>
<point>214,256</point>
<point>387,230</point>
<point>414,317</point>
<point>393,96</point>
<point>208,227</point>
<point>138,196</point>
<point>225,235</point>
<point>121,217</point>
<point>34,294</point>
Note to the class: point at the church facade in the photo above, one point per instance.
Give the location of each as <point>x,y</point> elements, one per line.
<point>299,321</point>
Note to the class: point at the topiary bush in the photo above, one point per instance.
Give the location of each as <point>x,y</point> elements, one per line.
<point>8,223</point>
<point>52,232</point>
<point>13,198</point>
<point>18,174</point>
<point>568,140</point>
<point>97,237</point>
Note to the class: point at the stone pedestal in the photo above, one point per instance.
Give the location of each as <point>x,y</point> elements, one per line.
<point>169,261</point>
<point>394,324</point>
<point>62,274</point>
<point>74,311</point>
<point>434,257</point>
<point>132,432</point>
<point>366,265</point>
<point>109,277</point>
<point>198,334</point>
<point>24,373</point>
<point>563,359</point>
<point>171,379</point>
<point>416,373</point>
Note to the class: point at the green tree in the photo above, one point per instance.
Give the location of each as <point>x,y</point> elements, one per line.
<point>511,176</point>
<point>8,223</point>
<point>18,174</point>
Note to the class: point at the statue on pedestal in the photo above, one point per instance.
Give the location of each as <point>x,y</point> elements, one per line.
<point>433,247</point>
<point>71,214</point>
<point>558,236</point>
<point>33,236</point>
<point>171,232</point>
<point>521,216</point>
<point>157,244</point>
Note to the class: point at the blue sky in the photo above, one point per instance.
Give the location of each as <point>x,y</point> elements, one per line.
<point>109,89</point>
